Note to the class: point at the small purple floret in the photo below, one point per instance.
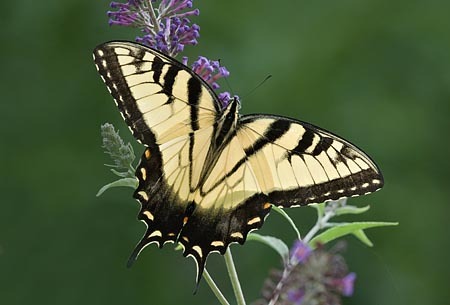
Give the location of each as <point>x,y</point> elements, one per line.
<point>173,7</point>
<point>209,70</point>
<point>300,251</point>
<point>347,283</point>
<point>225,98</point>
<point>296,296</point>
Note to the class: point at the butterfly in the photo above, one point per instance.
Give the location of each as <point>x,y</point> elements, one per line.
<point>208,175</point>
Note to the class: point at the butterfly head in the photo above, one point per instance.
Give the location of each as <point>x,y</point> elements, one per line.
<point>228,121</point>
<point>231,111</point>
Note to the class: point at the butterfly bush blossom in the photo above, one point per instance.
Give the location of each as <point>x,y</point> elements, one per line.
<point>122,155</point>
<point>317,277</point>
<point>167,28</point>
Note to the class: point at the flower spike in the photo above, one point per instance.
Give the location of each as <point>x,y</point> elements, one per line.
<point>167,28</point>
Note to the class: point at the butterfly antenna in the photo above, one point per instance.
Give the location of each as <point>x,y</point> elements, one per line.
<point>257,86</point>
<point>251,91</point>
<point>229,86</point>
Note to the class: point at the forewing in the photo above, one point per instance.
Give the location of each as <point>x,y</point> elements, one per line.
<point>159,98</point>
<point>296,163</point>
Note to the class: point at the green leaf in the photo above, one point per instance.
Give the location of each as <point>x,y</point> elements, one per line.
<point>351,209</point>
<point>347,228</point>
<point>120,174</point>
<point>178,247</point>
<point>320,207</point>
<point>128,182</point>
<point>361,235</point>
<point>277,244</point>
<point>289,220</point>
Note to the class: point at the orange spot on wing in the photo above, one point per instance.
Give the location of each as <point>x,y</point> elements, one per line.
<point>147,154</point>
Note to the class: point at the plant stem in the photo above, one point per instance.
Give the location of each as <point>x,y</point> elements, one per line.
<point>320,224</point>
<point>234,277</point>
<point>153,18</point>
<point>276,293</point>
<point>215,289</point>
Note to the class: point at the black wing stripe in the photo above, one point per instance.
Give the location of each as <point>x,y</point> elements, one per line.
<point>323,145</point>
<point>169,80</point>
<point>191,150</point>
<point>194,92</point>
<point>157,66</point>
<point>305,142</point>
<point>275,131</point>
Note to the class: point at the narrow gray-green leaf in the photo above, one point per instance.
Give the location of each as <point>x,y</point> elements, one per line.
<point>128,182</point>
<point>289,220</point>
<point>121,174</point>
<point>351,209</point>
<point>344,229</point>
<point>277,244</point>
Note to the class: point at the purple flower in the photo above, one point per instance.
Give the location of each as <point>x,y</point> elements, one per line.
<point>128,14</point>
<point>346,284</point>
<point>300,252</point>
<point>313,277</point>
<point>225,98</point>
<point>209,70</point>
<point>175,33</point>
<point>296,296</point>
<point>174,7</point>
<point>165,28</point>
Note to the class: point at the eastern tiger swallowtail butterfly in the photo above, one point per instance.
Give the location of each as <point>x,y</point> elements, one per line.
<point>209,176</point>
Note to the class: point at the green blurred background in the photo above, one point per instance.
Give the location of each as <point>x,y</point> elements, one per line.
<point>374,71</point>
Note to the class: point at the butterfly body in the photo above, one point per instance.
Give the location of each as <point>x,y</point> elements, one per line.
<point>208,176</point>
<point>223,132</point>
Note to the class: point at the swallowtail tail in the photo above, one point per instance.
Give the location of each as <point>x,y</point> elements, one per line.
<point>208,176</point>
